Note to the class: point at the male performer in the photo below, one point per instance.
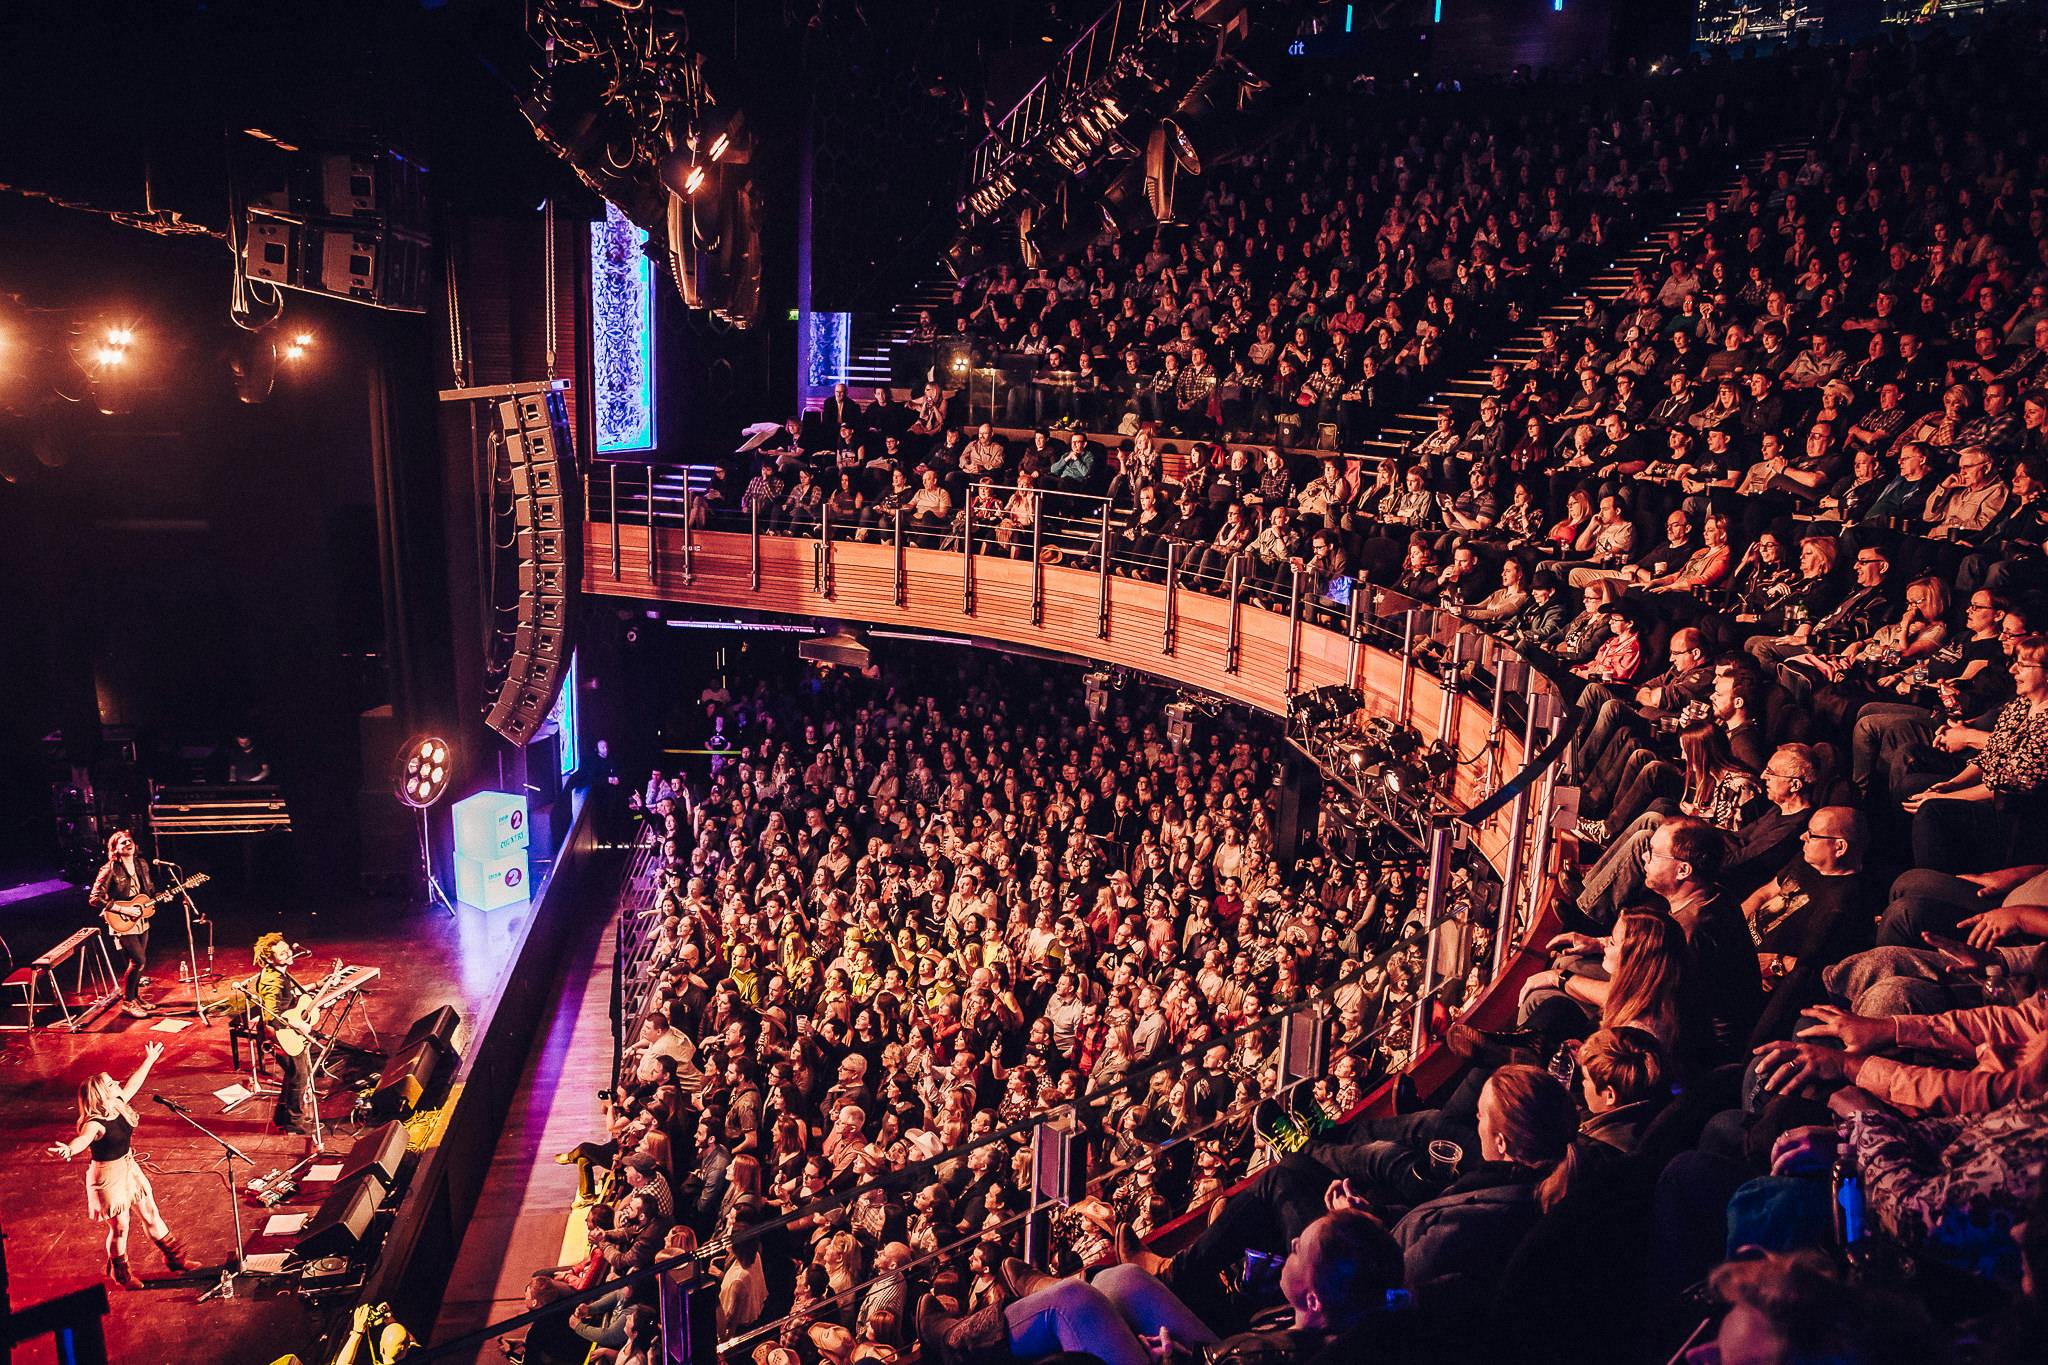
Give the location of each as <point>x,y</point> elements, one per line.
<point>122,876</point>
<point>277,991</point>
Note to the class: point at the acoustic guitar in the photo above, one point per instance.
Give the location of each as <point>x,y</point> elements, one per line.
<point>292,1029</point>
<point>131,916</point>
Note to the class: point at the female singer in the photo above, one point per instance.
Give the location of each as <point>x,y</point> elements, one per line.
<point>115,1187</point>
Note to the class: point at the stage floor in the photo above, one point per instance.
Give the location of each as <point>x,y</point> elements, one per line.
<point>427,959</point>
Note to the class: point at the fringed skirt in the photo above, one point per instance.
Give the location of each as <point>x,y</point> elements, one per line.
<point>115,1187</point>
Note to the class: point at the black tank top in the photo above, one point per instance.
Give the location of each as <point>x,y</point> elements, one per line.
<point>112,1144</point>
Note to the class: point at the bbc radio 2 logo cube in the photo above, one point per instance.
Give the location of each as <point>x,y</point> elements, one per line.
<point>491,842</point>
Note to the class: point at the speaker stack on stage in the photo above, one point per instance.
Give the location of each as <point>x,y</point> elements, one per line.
<point>533,425</point>
<point>339,1231</point>
<point>420,1068</point>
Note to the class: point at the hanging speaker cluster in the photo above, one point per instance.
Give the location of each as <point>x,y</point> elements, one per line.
<point>540,467</point>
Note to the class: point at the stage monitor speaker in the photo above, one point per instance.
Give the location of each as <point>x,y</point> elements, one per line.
<point>342,1222</point>
<point>439,1025</point>
<point>408,1078</point>
<point>381,1152</point>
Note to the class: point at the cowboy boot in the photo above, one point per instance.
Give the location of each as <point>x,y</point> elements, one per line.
<point>119,1273</point>
<point>173,1248</point>
<point>975,1336</point>
<point>1022,1278</point>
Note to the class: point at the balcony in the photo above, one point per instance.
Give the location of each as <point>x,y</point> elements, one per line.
<point>649,537</point>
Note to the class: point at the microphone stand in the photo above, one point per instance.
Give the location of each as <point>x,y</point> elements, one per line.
<point>230,1154</point>
<point>192,943</point>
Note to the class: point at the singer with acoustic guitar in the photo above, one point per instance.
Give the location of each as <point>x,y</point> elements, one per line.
<point>277,992</point>
<point>124,894</point>
<point>116,1190</point>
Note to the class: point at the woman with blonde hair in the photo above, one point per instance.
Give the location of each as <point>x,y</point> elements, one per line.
<point>116,1190</point>
<point>1637,985</point>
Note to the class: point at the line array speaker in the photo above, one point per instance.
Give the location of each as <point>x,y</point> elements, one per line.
<point>351,224</point>
<point>540,460</point>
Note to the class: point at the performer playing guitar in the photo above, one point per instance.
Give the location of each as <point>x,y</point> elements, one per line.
<point>123,881</point>
<point>277,993</point>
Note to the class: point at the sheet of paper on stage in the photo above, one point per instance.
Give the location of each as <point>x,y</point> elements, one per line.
<point>171,1025</point>
<point>284,1224</point>
<point>233,1095</point>
<point>324,1172</point>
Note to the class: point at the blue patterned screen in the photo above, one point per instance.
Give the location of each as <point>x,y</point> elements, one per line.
<point>826,350</point>
<point>622,335</point>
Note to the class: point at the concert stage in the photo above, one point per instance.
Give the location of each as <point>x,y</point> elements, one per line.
<point>482,963</point>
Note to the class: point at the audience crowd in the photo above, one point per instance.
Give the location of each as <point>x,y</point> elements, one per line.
<point>890,925</point>
<point>1776,513</point>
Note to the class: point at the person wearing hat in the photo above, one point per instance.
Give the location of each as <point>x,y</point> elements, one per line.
<point>644,1176</point>
<point>1542,622</point>
<point>1621,654</point>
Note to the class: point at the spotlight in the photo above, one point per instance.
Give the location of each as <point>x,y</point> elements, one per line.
<point>421,771</point>
<point>121,337</point>
<point>693,180</point>
<point>109,356</point>
<point>724,137</point>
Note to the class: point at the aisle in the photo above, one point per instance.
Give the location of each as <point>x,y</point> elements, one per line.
<point>525,1205</point>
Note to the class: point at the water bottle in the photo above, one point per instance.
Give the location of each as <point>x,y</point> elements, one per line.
<point>1847,1183</point>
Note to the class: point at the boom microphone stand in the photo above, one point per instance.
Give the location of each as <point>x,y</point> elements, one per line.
<point>230,1154</point>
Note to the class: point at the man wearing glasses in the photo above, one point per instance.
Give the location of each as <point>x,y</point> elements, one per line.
<point>1683,864</point>
<point>1968,500</point>
<point>1817,910</point>
<point>1615,719</point>
<point>1753,853</point>
<point>1857,616</point>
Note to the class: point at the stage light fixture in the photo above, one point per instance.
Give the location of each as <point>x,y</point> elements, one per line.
<point>693,180</point>
<point>420,775</point>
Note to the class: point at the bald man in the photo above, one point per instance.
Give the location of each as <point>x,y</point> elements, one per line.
<point>1818,909</point>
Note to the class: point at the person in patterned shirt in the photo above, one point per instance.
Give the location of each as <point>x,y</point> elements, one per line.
<point>1983,816</point>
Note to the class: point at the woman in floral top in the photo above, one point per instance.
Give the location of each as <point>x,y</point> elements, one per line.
<point>1980,818</point>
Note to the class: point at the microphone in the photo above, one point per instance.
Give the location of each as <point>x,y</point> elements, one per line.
<point>172,1105</point>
